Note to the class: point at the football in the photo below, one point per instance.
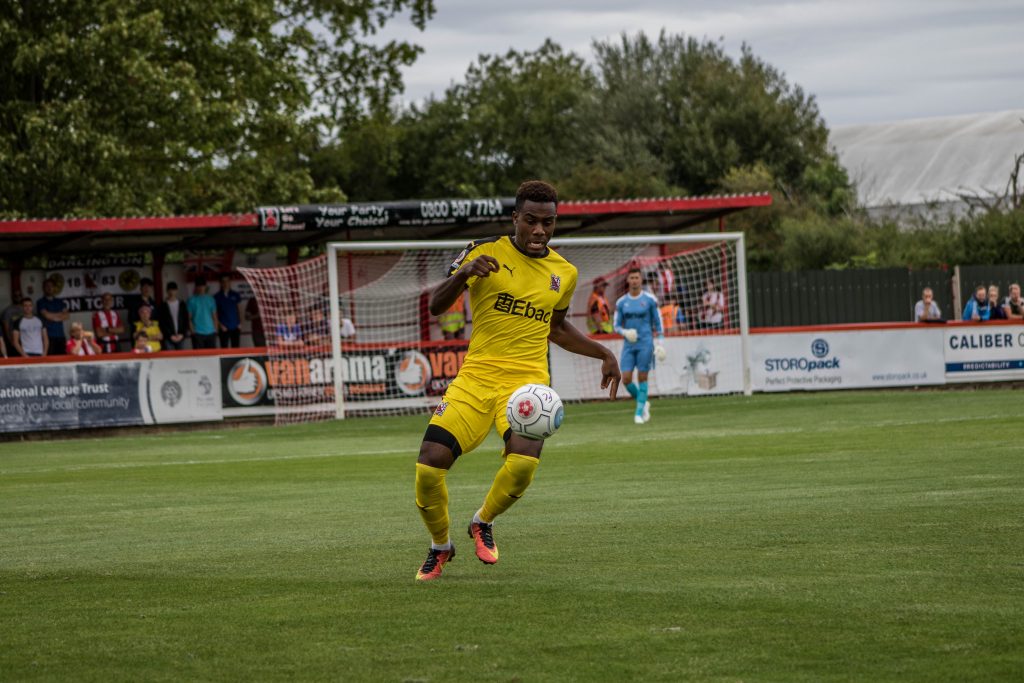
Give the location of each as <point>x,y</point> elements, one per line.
<point>534,411</point>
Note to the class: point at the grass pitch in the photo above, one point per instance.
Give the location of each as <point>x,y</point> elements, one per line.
<point>804,537</point>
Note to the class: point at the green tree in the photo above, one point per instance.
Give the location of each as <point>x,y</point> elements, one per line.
<point>703,114</point>
<point>121,108</point>
<point>518,115</point>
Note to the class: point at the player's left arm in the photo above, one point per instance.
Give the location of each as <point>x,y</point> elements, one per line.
<point>658,331</point>
<point>572,340</point>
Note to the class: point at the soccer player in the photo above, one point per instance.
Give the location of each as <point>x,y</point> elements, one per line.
<point>519,294</point>
<point>638,319</point>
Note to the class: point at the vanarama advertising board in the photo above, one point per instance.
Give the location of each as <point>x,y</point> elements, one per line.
<point>373,378</point>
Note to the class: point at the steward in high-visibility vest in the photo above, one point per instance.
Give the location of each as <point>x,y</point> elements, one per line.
<point>672,317</point>
<point>453,321</point>
<point>598,313</point>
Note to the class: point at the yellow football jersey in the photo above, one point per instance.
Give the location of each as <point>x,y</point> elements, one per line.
<point>512,308</point>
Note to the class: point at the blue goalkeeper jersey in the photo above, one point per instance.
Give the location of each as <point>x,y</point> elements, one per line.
<point>639,313</point>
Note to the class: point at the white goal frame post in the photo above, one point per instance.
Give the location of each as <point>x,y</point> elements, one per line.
<point>335,249</point>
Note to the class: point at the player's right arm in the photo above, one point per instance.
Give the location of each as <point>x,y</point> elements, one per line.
<point>448,291</point>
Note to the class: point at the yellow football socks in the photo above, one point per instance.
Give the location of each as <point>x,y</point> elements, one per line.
<point>509,485</point>
<point>432,500</point>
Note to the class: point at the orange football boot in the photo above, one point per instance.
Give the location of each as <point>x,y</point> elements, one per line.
<point>434,564</point>
<point>483,536</point>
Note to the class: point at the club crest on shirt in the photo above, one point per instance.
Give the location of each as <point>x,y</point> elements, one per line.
<point>441,407</point>
<point>458,259</point>
<point>556,283</point>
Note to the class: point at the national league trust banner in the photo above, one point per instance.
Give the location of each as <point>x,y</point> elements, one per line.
<point>108,394</point>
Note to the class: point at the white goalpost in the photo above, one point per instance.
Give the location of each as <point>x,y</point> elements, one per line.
<point>351,334</point>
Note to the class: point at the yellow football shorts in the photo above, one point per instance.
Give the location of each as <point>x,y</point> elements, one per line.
<point>475,401</point>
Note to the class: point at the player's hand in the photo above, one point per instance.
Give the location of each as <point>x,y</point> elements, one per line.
<point>659,352</point>
<point>610,376</point>
<point>629,335</point>
<point>482,266</point>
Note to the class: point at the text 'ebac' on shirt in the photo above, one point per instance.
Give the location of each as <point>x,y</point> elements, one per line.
<point>511,309</point>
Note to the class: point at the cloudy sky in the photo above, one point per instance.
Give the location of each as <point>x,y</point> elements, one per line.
<point>865,62</point>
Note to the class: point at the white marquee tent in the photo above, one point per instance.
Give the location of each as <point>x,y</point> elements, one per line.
<point>918,166</point>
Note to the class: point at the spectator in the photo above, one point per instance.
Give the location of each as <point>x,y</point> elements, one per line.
<point>9,318</point>
<point>318,331</point>
<point>82,342</point>
<point>146,299</point>
<point>107,325</point>
<point>142,344</point>
<point>252,314</point>
<point>453,321</point>
<point>53,311</point>
<point>996,311</point>
<point>1013,307</point>
<point>348,329</point>
<point>229,322</point>
<point>926,310</point>
<point>172,317</point>
<point>977,308</point>
<point>3,347</point>
<point>598,312</point>
<point>146,324</point>
<point>713,303</point>
<point>30,338</point>
<point>672,316</point>
<point>202,312</point>
<point>289,333</point>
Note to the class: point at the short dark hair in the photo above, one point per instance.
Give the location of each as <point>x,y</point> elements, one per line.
<point>26,298</point>
<point>535,191</point>
<point>200,280</point>
<point>145,281</point>
<point>634,269</point>
<point>172,285</point>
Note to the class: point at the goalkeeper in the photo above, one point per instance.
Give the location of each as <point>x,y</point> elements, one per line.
<point>638,320</point>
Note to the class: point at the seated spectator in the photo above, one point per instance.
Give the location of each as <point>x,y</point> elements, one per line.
<point>926,310</point>
<point>318,330</point>
<point>142,343</point>
<point>289,333</point>
<point>29,335</point>
<point>977,308</point>
<point>1013,307</point>
<point>82,342</point>
<point>995,308</point>
<point>146,324</point>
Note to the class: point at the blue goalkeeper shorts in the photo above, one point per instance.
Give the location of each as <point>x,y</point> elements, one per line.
<point>637,356</point>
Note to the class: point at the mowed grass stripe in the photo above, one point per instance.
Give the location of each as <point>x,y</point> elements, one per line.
<point>853,536</point>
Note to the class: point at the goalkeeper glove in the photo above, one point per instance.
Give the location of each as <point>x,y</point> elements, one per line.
<point>629,335</point>
<point>659,352</point>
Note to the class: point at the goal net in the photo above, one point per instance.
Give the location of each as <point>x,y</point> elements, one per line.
<point>375,348</point>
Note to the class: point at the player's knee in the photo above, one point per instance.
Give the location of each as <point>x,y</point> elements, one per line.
<point>435,455</point>
<point>517,444</point>
<point>522,468</point>
<point>439,448</point>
